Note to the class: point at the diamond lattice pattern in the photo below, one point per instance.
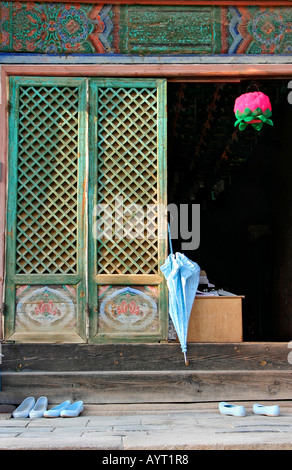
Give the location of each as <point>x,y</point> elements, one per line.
<point>127,180</point>
<point>47,180</point>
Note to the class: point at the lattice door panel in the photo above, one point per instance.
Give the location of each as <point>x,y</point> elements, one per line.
<point>127,173</point>
<point>47,180</point>
<point>47,169</point>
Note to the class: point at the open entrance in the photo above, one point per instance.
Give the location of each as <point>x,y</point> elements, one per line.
<point>242,181</point>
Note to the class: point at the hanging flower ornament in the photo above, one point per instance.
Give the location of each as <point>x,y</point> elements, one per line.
<point>253,108</point>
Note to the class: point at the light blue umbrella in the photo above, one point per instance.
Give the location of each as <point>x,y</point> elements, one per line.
<point>182,276</point>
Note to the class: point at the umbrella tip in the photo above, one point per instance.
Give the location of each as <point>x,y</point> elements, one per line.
<point>186,360</point>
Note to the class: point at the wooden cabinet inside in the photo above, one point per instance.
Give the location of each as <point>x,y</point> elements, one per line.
<point>216,319</point>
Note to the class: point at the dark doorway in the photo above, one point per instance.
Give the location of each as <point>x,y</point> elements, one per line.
<point>243,183</point>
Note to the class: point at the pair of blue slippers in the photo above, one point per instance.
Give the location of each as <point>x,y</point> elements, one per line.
<point>29,408</point>
<point>237,410</point>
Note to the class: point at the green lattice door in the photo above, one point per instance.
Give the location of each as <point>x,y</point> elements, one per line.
<point>45,260</point>
<point>127,209</point>
<point>48,246</point>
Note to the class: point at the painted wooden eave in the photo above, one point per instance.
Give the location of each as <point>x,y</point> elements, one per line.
<point>183,2</point>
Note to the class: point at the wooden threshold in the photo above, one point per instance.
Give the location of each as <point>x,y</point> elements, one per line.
<point>260,356</point>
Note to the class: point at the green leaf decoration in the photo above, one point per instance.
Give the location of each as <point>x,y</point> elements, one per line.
<point>257,126</point>
<point>250,118</point>
<point>257,112</point>
<point>247,117</point>
<point>242,126</point>
<point>247,112</point>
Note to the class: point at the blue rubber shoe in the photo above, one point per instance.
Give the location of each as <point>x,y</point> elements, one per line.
<point>22,411</point>
<point>273,410</point>
<point>73,410</point>
<point>56,410</point>
<point>234,410</point>
<point>39,408</point>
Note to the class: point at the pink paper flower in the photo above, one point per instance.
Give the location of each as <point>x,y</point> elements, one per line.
<point>253,108</point>
<point>252,101</point>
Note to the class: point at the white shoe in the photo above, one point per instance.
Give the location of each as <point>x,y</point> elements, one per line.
<point>22,411</point>
<point>234,410</point>
<point>273,410</point>
<point>39,408</point>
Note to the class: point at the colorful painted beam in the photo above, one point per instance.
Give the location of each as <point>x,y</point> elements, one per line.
<point>143,30</point>
<point>182,2</point>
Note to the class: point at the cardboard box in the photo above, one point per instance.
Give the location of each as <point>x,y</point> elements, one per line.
<point>216,319</point>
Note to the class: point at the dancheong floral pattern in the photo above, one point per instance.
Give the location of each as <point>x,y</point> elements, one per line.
<point>255,30</point>
<point>97,28</point>
<point>56,27</point>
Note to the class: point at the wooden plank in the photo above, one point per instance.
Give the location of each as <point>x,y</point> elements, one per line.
<point>46,278</point>
<point>205,71</point>
<point>147,357</point>
<point>11,206</point>
<point>146,373</point>
<point>148,387</point>
<point>3,184</point>
<point>162,201</point>
<point>131,279</point>
<point>26,59</point>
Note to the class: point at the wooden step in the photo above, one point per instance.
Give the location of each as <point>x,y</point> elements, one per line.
<point>146,373</point>
<point>147,386</point>
<point>137,357</point>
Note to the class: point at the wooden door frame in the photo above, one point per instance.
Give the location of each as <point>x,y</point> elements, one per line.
<point>182,72</point>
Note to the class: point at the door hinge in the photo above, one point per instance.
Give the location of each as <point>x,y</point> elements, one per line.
<point>3,309</point>
<point>8,106</point>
